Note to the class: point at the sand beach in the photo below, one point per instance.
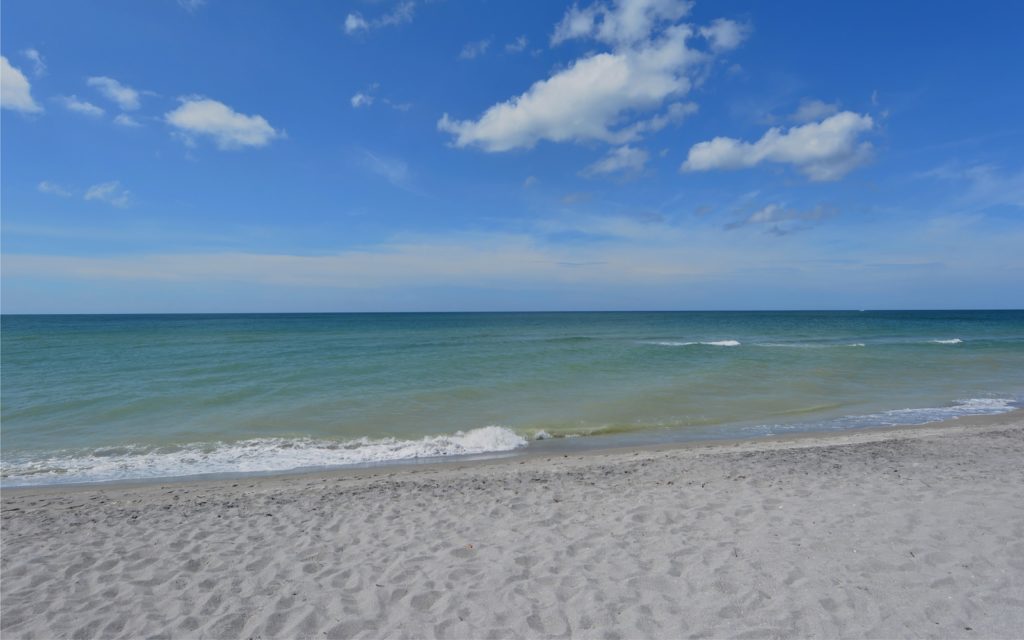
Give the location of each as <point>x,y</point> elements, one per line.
<point>912,532</point>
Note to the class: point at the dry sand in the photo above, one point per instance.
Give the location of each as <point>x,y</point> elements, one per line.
<point>909,533</point>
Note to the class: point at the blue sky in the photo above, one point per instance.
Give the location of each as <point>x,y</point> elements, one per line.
<point>188,156</point>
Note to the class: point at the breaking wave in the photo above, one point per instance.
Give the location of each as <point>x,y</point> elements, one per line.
<point>247,456</point>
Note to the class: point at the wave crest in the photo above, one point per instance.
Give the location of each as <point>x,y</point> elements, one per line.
<point>249,456</point>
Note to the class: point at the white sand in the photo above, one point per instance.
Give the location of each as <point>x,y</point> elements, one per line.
<point>909,533</point>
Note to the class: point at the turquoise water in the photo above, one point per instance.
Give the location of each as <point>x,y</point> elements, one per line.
<point>87,398</point>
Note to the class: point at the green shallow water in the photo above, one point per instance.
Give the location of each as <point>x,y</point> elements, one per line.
<point>111,397</point>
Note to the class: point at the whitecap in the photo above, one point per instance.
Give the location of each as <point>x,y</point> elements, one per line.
<point>249,456</point>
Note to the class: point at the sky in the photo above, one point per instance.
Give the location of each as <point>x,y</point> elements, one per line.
<point>413,155</point>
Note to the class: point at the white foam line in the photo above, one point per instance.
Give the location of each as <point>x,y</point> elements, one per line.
<point>249,456</point>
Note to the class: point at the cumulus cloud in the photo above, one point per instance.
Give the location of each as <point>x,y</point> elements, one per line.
<point>626,22</point>
<point>586,100</point>
<point>475,49</point>
<point>198,116</point>
<point>72,103</point>
<point>725,35</point>
<point>124,96</point>
<point>811,110</point>
<point>38,64</point>
<point>53,188</point>
<point>15,90</point>
<point>822,151</point>
<point>625,159</point>
<point>602,95</point>
<point>518,45</point>
<point>109,192</point>
<point>402,13</point>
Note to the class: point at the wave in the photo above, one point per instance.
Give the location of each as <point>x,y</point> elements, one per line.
<point>950,341</point>
<point>717,343</point>
<point>807,345</point>
<point>898,417</point>
<point>248,456</point>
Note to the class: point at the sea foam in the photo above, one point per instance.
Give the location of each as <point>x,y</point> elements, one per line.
<point>249,456</point>
<point>898,417</point>
<point>716,343</point>
<point>950,341</point>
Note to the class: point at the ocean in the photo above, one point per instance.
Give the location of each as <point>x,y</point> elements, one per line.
<point>124,397</point>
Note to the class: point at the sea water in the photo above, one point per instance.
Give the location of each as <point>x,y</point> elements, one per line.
<point>98,398</point>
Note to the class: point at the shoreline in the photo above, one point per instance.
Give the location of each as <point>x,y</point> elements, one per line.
<point>541,449</point>
<point>895,533</point>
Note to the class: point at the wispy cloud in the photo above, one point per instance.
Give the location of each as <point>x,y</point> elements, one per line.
<point>813,110</point>
<point>987,184</point>
<point>191,5</point>
<point>395,170</point>
<point>53,188</point>
<point>518,45</point>
<point>779,220</point>
<point>475,49</point>
<point>36,58</point>
<point>624,159</point>
<point>361,99</point>
<point>109,192</point>
<point>126,120</point>
<point>402,13</point>
<point>72,103</point>
<point>124,96</point>
<point>368,96</point>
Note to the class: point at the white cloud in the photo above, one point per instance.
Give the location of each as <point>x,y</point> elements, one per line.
<point>811,110</point>
<point>623,159</point>
<point>529,181</point>
<point>725,35</point>
<point>625,23</point>
<point>397,106</point>
<point>191,5</point>
<point>126,120</point>
<point>518,45</point>
<point>674,114</point>
<point>475,49</point>
<point>825,150</point>
<point>394,170</point>
<point>355,22</point>
<point>72,103</point>
<point>402,13</point>
<point>602,95</point>
<point>125,97</point>
<point>228,128</point>
<point>361,100</point>
<point>52,188</point>
<point>38,64</point>
<point>585,101</point>
<point>988,185</point>
<point>779,220</point>
<point>15,90</point>
<point>109,192</point>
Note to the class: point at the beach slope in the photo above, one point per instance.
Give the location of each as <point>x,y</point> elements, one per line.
<point>917,532</point>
